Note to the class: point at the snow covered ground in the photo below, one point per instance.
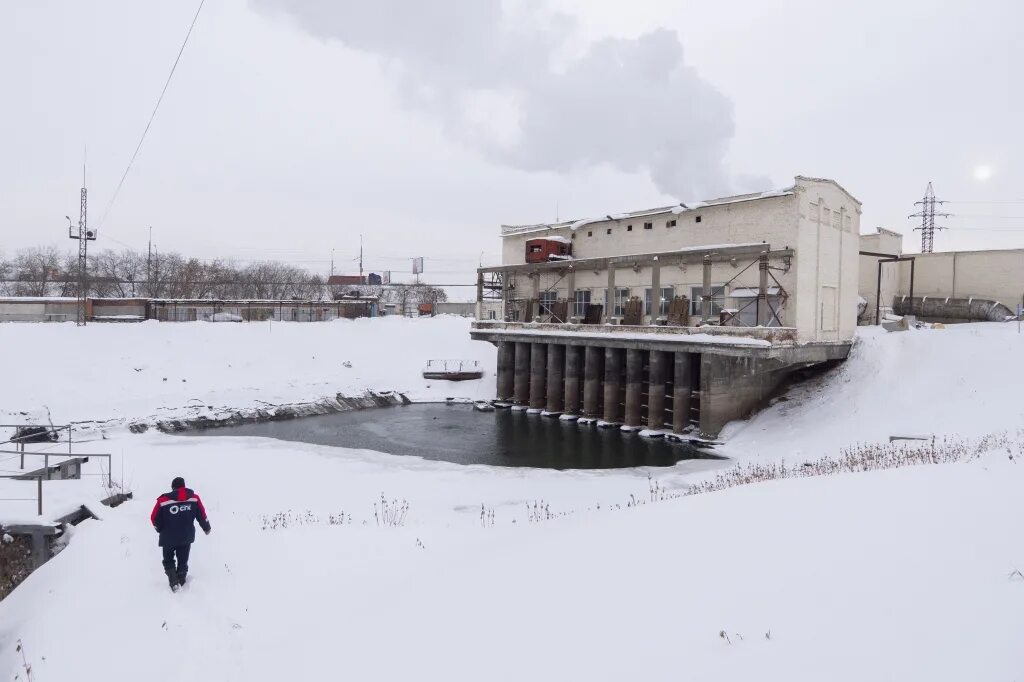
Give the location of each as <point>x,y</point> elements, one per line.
<point>957,380</point>
<point>153,370</point>
<point>900,574</point>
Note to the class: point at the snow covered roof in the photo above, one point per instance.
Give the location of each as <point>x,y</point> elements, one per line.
<point>573,225</point>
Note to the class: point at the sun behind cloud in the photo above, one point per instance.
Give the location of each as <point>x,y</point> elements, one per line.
<point>982,173</point>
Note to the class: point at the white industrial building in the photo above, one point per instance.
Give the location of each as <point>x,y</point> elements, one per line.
<point>809,231</point>
<point>728,296</point>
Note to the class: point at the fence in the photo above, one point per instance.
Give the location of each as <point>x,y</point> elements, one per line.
<point>48,435</point>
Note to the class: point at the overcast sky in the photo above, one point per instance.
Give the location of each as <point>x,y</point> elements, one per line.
<point>293,126</point>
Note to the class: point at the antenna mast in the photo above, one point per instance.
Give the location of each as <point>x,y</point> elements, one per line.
<point>84,236</point>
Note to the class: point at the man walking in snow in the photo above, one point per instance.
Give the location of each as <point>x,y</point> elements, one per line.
<point>174,516</point>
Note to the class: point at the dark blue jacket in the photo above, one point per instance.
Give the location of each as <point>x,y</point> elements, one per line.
<point>174,516</point>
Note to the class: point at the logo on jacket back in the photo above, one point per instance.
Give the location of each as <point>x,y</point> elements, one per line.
<point>175,508</point>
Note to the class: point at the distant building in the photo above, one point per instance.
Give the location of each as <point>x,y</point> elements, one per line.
<point>947,286</point>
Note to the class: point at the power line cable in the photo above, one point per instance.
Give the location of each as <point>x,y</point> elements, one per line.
<point>160,99</point>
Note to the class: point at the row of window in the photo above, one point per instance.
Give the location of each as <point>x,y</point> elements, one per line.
<point>647,226</point>
<point>622,294</point>
<point>747,314</point>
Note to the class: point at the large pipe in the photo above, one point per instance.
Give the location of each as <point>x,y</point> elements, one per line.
<point>521,383</point>
<point>966,309</point>
<point>506,370</point>
<point>556,367</point>
<point>634,386</point>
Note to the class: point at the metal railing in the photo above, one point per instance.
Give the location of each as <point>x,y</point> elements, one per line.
<point>452,366</point>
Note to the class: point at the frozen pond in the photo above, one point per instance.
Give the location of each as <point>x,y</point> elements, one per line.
<point>460,434</point>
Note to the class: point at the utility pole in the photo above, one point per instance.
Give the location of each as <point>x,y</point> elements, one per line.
<point>84,236</point>
<point>149,264</point>
<point>927,215</point>
<point>332,262</point>
<point>361,260</point>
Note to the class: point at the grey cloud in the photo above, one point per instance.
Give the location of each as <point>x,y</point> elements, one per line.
<point>633,104</point>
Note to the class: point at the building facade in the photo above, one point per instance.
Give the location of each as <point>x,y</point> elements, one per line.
<point>738,292</point>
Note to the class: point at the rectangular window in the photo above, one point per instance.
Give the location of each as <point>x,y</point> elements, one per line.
<point>670,223</point>
<point>535,248</point>
<point>621,296</point>
<point>747,307</point>
<point>609,231</point>
<point>629,228</point>
<point>666,296</point>
<point>590,233</point>
<point>648,226</point>
<point>580,303</point>
<point>717,301</point>
<point>696,219</point>
<point>547,300</point>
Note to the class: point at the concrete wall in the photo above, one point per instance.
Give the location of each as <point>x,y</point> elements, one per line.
<point>762,220</point>
<point>827,261</point>
<point>995,274</point>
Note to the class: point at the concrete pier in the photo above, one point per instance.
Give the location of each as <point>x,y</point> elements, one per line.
<point>506,370</point>
<point>573,365</point>
<point>556,369</point>
<point>592,372</point>
<point>657,375</point>
<point>612,384</point>
<point>634,387</point>
<point>626,372</point>
<point>682,384</point>
<point>521,374</point>
<point>538,374</point>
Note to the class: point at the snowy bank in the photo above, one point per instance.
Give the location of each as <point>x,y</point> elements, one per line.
<point>156,371</point>
<point>956,380</point>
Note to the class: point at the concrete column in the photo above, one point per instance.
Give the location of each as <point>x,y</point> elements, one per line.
<point>612,384</point>
<point>538,373</point>
<point>682,385</point>
<point>655,291</point>
<point>609,307</point>
<point>570,295</point>
<point>556,368</point>
<point>705,305</point>
<point>634,386</point>
<point>656,389</point>
<point>506,370</point>
<point>572,379</point>
<point>592,372</point>
<point>763,319</point>
<point>521,381</point>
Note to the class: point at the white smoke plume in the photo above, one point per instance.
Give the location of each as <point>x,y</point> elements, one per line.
<point>497,77</point>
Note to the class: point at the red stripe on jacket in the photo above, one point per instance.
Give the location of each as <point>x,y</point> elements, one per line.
<point>156,508</point>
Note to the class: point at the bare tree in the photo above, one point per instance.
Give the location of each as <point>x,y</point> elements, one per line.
<point>35,269</point>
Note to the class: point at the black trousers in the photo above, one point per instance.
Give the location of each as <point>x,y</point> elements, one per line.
<point>182,553</point>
